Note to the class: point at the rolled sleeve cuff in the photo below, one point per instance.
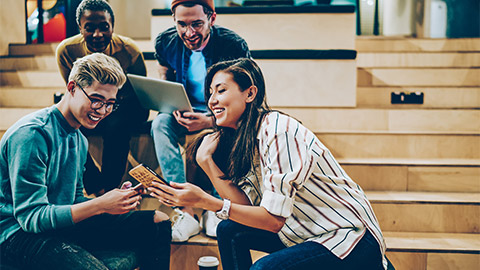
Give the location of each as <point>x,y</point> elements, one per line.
<point>277,204</point>
<point>64,216</point>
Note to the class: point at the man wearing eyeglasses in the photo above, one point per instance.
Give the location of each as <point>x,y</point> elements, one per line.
<point>184,53</point>
<point>45,221</point>
<point>95,18</point>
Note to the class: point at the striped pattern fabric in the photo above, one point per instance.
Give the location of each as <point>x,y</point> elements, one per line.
<point>303,182</point>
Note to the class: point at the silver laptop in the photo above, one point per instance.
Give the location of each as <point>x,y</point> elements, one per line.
<point>160,95</point>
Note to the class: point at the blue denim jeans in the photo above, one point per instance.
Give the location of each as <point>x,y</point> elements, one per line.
<point>235,242</point>
<point>82,245</point>
<point>166,133</point>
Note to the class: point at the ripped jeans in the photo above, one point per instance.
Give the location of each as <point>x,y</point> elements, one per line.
<point>82,245</point>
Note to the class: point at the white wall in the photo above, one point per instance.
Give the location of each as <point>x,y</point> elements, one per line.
<point>12,24</point>
<point>398,17</point>
<point>132,18</point>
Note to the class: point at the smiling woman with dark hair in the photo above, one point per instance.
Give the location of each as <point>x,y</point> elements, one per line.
<point>284,192</point>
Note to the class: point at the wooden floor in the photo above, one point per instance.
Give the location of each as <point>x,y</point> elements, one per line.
<point>418,163</point>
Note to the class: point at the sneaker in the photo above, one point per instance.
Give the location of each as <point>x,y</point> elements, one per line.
<point>209,223</point>
<point>184,226</point>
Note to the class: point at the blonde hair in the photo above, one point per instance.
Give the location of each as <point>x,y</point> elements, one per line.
<point>97,67</point>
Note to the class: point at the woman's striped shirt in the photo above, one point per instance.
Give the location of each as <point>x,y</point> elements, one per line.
<point>302,181</point>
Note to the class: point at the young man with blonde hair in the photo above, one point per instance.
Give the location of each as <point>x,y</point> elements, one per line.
<point>46,221</point>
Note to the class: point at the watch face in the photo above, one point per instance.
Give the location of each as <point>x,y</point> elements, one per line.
<point>223,215</point>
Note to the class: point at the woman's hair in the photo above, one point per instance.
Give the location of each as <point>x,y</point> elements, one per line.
<point>236,150</point>
<point>97,67</point>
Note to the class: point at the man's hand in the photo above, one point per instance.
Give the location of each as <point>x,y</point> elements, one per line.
<point>119,201</point>
<point>162,71</point>
<point>115,202</point>
<point>193,121</point>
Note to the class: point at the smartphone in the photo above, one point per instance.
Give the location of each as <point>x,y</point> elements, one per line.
<point>138,187</point>
<point>143,174</point>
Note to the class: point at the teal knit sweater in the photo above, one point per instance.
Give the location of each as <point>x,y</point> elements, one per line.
<point>41,168</point>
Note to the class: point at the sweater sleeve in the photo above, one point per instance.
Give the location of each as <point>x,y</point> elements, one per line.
<point>137,66</point>
<point>64,61</point>
<point>79,195</point>
<point>287,163</point>
<point>28,158</point>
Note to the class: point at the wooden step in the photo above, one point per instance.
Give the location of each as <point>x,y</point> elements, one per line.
<point>39,62</point>
<point>407,59</point>
<point>32,78</point>
<point>413,177</point>
<point>406,250</point>
<point>402,146</point>
<point>363,122</point>
<point>426,211</point>
<point>12,115</point>
<point>433,251</point>
<point>434,98</point>
<point>32,49</point>
<point>433,242</point>
<point>453,77</point>
<point>387,120</point>
<point>32,97</point>
<point>386,44</point>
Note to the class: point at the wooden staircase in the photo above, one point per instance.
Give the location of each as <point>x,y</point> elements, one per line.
<point>419,163</point>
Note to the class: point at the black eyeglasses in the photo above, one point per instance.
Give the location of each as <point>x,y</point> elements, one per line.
<point>97,104</point>
<point>196,26</point>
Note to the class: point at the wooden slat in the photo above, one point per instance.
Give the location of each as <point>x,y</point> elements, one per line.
<point>427,217</point>
<point>444,179</point>
<point>418,77</point>
<point>40,62</point>
<point>378,177</point>
<point>437,261</point>
<point>382,44</point>
<point>398,147</point>
<point>12,115</point>
<point>374,177</point>
<point>387,120</point>
<point>32,49</point>
<point>434,242</point>
<point>404,59</point>
<point>32,79</point>
<point>411,161</point>
<point>408,260</point>
<point>28,97</point>
<point>434,98</point>
<point>424,197</point>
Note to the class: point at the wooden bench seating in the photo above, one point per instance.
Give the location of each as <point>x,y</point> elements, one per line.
<point>406,250</point>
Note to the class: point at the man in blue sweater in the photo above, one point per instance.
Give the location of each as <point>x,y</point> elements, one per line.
<point>45,221</point>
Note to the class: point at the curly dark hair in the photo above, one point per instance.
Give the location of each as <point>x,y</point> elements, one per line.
<point>94,5</point>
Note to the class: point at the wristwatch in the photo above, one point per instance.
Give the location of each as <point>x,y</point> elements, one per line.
<point>224,213</point>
